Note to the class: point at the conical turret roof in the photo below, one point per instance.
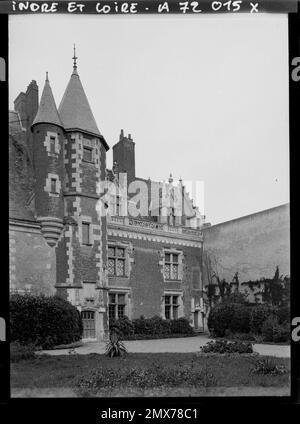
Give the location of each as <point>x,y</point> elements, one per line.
<point>47,111</point>
<point>74,109</point>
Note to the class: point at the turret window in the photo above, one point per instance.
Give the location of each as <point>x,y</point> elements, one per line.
<point>86,233</point>
<point>52,145</point>
<point>53,185</point>
<point>87,154</point>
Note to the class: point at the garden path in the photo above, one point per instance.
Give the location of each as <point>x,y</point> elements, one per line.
<point>184,345</point>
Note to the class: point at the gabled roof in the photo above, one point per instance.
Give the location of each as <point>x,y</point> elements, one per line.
<point>74,109</point>
<point>47,112</point>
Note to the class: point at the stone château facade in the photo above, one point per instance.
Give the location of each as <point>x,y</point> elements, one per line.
<point>107,265</point>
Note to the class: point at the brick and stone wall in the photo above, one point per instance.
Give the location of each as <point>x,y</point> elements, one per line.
<point>145,281</point>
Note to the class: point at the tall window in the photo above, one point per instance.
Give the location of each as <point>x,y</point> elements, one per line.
<point>171,306</point>
<point>171,266</point>
<point>116,261</point>
<point>52,144</point>
<point>87,154</point>
<point>53,185</point>
<point>86,233</point>
<point>116,306</point>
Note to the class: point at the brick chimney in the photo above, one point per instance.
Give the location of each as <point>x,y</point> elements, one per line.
<point>124,155</point>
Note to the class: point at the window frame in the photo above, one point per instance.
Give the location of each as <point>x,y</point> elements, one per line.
<point>116,305</point>
<point>117,258</point>
<point>90,149</point>
<point>87,225</point>
<point>172,306</point>
<point>171,263</point>
<point>53,180</point>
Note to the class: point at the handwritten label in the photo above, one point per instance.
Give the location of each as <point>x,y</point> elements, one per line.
<point>159,7</point>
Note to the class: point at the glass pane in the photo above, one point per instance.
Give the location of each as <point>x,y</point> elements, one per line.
<point>175,272</point>
<point>111,312</point>
<point>121,311</point>
<point>87,154</point>
<point>52,144</point>
<point>120,252</point>
<point>175,300</point>
<point>112,298</point>
<point>175,258</point>
<point>85,233</point>
<point>167,257</point>
<point>53,185</point>
<point>111,266</point>
<point>175,312</point>
<point>121,299</point>
<point>167,312</point>
<point>120,267</point>
<point>167,271</point>
<point>167,300</point>
<point>111,251</point>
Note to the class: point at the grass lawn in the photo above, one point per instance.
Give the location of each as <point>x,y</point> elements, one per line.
<point>63,371</point>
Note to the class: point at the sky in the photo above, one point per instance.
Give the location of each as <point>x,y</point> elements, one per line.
<point>204,97</point>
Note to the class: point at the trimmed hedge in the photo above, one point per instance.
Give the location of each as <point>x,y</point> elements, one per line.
<point>151,327</point>
<point>43,321</point>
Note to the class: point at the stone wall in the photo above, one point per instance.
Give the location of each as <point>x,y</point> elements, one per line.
<point>32,261</point>
<point>252,246</point>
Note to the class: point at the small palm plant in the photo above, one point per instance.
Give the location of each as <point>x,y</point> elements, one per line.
<point>115,346</point>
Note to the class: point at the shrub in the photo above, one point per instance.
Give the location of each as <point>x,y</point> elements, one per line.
<point>181,326</point>
<point>224,346</point>
<point>151,326</point>
<point>20,351</point>
<point>43,321</point>
<point>123,326</point>
<point>142,326</point>
<point>115,346</point>
<point>267,366</point>
<point>220,318</point>
<point>283,314</point>
<point>240,320</point>
<point>272,331</point>
<point>258,316</point>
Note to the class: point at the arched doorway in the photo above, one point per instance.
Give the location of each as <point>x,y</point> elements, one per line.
<point>88,324</point>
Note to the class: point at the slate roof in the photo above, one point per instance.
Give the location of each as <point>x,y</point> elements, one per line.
<point>74,109</point>
<point>47,112</point>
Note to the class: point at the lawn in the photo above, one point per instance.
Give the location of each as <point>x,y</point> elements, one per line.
<point>220,371</point>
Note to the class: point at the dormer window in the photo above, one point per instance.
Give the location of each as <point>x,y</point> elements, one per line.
<point>87,154</point>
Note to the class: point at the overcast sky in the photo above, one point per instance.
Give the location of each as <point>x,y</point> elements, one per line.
<point>204,97</point>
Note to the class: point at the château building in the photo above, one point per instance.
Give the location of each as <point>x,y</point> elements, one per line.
<point>107,265</point>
